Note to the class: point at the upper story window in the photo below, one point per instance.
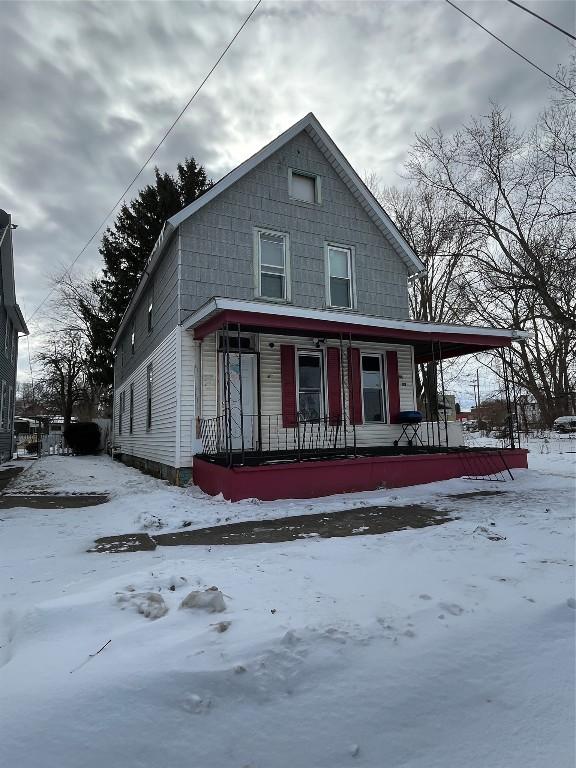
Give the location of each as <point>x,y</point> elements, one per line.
<point>150,311</point>
<point>273,268</point>
<point>339,269</point>
<point>304,187</point>
<point>373,397</point>
<point>14,348</point>
<point>8,335</point>
<point>133,338</point>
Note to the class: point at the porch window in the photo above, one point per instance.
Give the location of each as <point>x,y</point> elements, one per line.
<point>273,277</point>
<point>131,407</point>
<point>373,399</point>
<point>149,398</point>
<point>310,389</point>
<point>340,292</point>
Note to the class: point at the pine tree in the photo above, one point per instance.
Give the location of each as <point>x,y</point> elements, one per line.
<point>125,248</point>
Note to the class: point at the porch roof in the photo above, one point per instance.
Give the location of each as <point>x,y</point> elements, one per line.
<point>260,316</point>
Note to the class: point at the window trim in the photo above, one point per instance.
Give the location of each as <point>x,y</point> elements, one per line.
<point>383,388</point>
<point>328,244</point>
<point>14,344</point>
<point>320,353</point>
<point>7,335</point>
<point>317,186</point>
<point>133,337</point>
<point>149,374</point>
<point>258,265</point>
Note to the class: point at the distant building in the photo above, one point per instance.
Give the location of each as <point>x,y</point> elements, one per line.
<point>11,324</point>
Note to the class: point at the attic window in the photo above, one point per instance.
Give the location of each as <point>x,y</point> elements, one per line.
<point>304,187</point>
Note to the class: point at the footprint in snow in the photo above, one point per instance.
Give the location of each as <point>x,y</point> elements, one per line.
<point>452,608</point>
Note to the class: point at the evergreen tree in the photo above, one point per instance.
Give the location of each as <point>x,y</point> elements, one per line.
<point>125,248</point>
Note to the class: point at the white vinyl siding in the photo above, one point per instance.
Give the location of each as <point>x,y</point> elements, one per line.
<point>271,390</point>
<point>159,443</point>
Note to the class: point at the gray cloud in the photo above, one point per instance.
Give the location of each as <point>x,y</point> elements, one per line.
<point>87,89</point>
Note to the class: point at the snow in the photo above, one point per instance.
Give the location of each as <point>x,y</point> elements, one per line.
<point>439,647</point>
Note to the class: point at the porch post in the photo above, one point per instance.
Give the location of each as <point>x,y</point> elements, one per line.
<point>351,389</point>
<point>226,382</point>
<point>443,390</point>
<point>240,388</point>
<point>343,394</point>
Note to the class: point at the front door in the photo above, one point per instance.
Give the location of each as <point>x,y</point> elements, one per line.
<point>243,420</point>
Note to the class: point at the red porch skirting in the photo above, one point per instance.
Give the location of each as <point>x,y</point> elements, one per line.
<point>310,479</point>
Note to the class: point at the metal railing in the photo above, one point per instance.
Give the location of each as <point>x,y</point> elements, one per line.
<point>260,434</point>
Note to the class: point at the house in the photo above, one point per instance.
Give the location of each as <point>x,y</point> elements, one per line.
<point>267,350</point>
<point>11,324</point>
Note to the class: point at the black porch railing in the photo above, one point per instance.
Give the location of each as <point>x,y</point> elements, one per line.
<point>254,434</point>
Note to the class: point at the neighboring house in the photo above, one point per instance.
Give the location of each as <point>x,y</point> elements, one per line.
<point>271,327</point>
<point>11,324</point>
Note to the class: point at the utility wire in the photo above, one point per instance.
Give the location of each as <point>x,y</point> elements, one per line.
<point>151,155</point>
<point>546,21</point>
<point>528,61</point>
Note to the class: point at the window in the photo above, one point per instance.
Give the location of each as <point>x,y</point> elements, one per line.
<point>273,273</point>
<point>339,268</point>
<point>10,408</point>
<point>150,311</point>
<point>3,407</point>
<point>14,349</point>
<point>7,335</point>
<point>122,354</point>
<point>373,399</point>
<point>133,338</point>
<point>310,390</point>
<point>304,187</point>
<point>149,397</point>
<point>131,409</point>
<point>121,408</point>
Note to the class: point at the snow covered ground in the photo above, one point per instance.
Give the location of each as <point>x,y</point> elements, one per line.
<point>430,648</point>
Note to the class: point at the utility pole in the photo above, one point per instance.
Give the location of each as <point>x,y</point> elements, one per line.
<point>478,386</point>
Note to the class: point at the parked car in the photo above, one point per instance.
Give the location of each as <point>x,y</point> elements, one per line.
<point>565,424</point>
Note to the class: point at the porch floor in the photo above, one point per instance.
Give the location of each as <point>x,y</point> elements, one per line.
<point>252,458</point>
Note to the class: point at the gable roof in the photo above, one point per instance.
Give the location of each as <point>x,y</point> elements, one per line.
<point>357,187</point>
<point>7,267</point>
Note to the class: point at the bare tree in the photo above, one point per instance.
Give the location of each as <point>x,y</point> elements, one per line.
<point>63,365</point>
<point>512,193</point>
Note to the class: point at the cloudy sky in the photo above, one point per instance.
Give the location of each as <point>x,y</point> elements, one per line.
<point>87,90</point>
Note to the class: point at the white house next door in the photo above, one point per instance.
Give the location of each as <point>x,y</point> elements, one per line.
<point>242,420</point>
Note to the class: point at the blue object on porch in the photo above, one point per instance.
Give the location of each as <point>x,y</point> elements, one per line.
<point>410,422</point>
<point>409,417</point>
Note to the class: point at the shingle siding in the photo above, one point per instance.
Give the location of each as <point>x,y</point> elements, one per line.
<point>218,241</point>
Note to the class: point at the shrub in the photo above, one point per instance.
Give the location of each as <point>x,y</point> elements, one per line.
<point>83,437</point>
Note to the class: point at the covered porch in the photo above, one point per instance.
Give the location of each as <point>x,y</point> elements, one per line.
<point>298,402</point>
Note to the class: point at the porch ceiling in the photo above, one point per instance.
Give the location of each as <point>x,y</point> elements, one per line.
<point>259,317</point>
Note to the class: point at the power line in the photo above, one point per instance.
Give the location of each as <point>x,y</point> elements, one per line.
<point>156,148</point>
<point>546,21</point>
<point>528,61</point>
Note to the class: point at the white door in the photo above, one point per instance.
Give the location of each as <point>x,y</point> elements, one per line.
<point>243,421</point>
